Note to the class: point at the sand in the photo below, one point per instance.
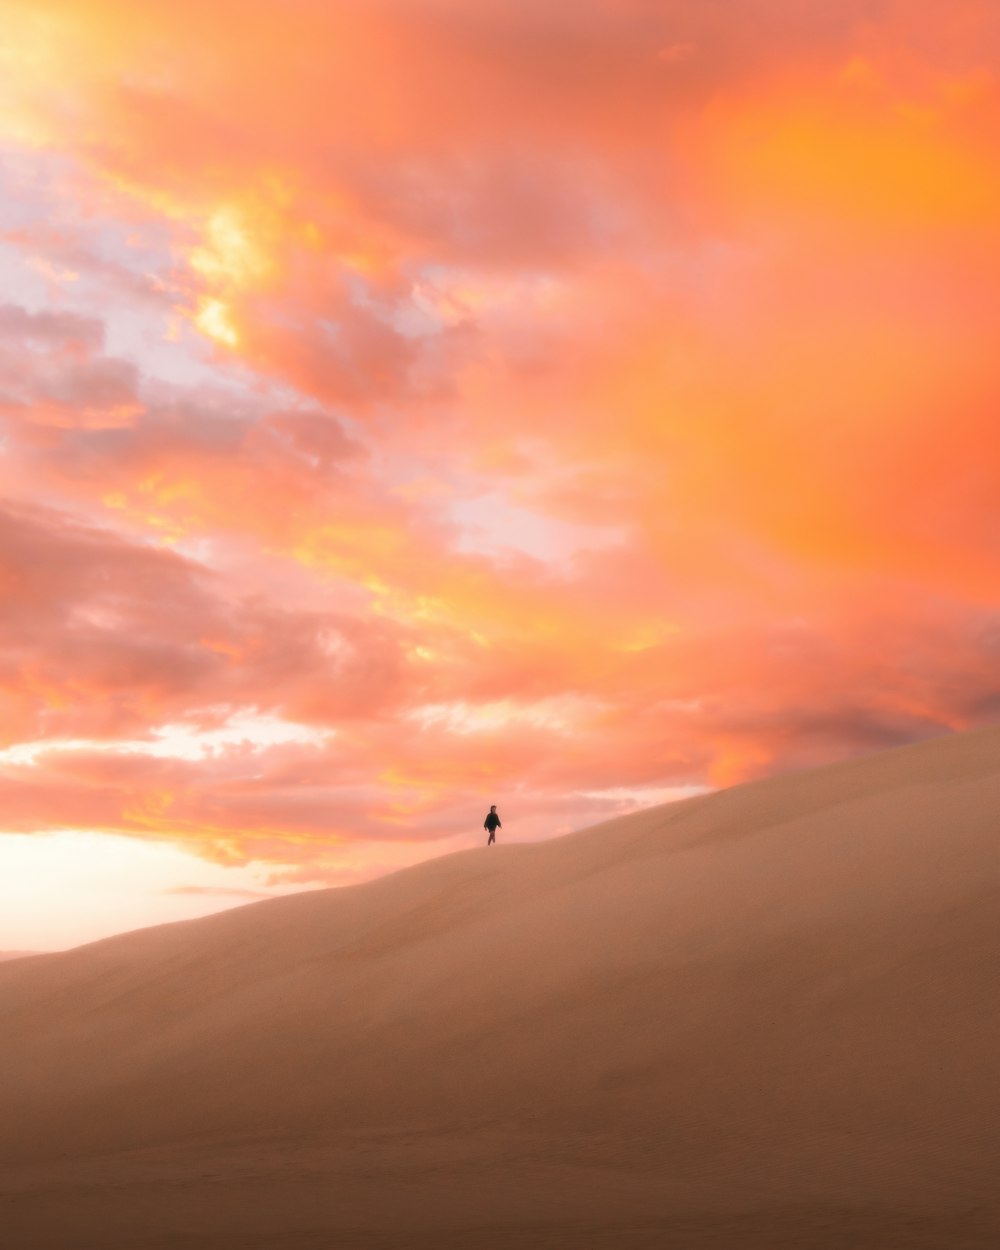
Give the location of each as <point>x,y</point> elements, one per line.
<point>767,1017</point>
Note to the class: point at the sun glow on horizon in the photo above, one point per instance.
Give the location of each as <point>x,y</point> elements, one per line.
<point>61,889</point>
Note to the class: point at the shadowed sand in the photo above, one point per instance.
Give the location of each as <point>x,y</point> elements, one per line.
<point>763,1018</point>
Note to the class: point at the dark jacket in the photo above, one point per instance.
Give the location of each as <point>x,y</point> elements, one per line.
<point>492,822</point>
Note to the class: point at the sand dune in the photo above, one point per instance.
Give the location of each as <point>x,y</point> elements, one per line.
<point>763,1018</point>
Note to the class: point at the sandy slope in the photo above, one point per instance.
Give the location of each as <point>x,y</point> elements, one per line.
<point>764,1018</point>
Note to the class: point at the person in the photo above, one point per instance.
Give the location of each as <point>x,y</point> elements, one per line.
<point>492,823</point>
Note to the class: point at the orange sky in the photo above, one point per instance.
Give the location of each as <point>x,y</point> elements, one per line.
<point>412,405</point>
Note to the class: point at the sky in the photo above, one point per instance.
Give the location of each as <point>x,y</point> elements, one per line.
<point>413,405</point>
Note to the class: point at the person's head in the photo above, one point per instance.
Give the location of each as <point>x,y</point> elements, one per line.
<point>493,807</point>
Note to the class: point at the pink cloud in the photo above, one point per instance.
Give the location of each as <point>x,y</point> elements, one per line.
<point>722,290</point>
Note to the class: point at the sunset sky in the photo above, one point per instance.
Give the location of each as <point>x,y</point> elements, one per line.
<point>413,405</point>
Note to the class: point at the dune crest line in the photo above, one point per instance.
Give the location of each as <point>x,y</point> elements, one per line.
<point>765,1017</point>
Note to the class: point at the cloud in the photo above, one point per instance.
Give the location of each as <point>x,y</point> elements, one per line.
<point>72,333</point>
<point>368,302</point>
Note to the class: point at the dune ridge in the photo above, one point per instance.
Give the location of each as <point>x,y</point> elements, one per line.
<point>763,1017</point>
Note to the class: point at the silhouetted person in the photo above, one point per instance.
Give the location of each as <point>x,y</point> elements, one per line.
<point>492,823</point>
